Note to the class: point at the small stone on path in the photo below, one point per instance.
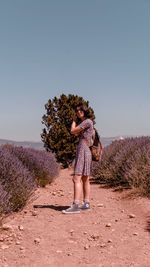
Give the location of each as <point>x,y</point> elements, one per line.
<point>86,247</point>
<point>108,225</point>
<point>100,205</point>
<point>102,245</point>
<point>6,227</point>
<point>37,240</point>
<point>34,213</point>
<point>20,227</point>
<point>85,233</point>
<point>69,254</point>
<point>18,243</point>
<point>131,216</point>
<point>95,237</point>
<point>71,232</point>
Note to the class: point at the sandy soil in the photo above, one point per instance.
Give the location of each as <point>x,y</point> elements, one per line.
<point>41,236</point>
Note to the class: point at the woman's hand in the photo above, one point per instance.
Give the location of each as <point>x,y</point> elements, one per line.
<point>75,118</point>
<point>75,129</point>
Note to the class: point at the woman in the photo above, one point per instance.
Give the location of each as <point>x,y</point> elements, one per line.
<point>82,161</point>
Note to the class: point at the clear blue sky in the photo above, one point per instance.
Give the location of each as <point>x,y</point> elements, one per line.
<point>98,49</point>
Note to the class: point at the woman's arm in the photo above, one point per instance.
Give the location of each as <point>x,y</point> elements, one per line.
<point>75,129</point>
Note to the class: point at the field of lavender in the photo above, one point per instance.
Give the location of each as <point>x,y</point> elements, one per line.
<point>126,163</point>
<point>21,171</point>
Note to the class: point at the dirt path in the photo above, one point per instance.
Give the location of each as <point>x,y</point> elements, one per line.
<point>104,237</point>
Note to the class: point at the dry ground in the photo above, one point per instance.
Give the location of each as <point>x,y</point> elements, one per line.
<point>41,236</point>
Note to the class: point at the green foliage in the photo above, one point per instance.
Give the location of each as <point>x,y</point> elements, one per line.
<point>56,135</point>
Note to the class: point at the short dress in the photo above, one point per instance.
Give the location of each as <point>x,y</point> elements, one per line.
<point>83,153</point>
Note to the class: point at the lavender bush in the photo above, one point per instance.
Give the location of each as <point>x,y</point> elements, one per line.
<point>16,182</point>
<point>138,169</point>
<point>21,170</point>
<point>41,164</point>
<point>126,162</point>
<point>103,169</point>
<point>123,157</point>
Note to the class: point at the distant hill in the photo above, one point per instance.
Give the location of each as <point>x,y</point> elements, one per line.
<point>27,144</point>
<point>108,140</point>
<point>39,145</point>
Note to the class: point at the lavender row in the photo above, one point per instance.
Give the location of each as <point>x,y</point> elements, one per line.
<point>41,164</point>
<point>21,171</point>
<point>127,163</point>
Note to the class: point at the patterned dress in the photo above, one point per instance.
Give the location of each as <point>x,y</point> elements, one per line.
<point>83,153</point>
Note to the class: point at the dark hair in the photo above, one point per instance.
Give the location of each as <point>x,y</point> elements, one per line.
<point>86,110</point>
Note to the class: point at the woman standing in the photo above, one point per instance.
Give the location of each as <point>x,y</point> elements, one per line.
<point>82,161</point>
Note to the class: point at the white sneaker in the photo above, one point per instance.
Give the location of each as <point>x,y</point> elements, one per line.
<point>73,209</point>
<point>85,206</point>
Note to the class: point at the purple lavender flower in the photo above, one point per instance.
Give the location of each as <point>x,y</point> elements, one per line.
<point>41,164</point>
<point>16,182</point>
<point>126,162</point>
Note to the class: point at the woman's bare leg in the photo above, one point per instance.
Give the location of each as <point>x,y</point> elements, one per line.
<point>77,193</point>
<point>86,187</point>
<point>77,187</point>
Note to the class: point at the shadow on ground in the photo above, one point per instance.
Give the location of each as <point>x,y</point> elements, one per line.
<point>105,185</point>
<point>59,208</point>
<point>95,181</point>
<point>148,225</point>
